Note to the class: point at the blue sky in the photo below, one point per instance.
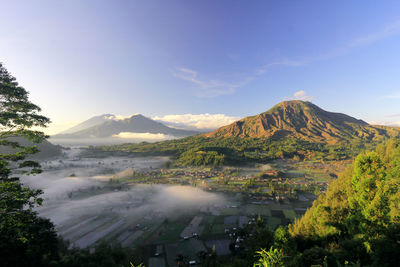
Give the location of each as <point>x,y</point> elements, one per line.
<point>84,58</point>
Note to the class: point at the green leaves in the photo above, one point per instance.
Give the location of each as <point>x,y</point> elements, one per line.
<point>196,157</point>
<point>271,258</point>
<point>361,207</point>
<point>25,239</point>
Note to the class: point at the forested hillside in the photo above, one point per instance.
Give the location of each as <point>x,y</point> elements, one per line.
<point>358,219</point>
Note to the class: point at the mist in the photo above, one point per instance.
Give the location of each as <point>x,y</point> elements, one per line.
<point>77,191</point>
<point>115,140</point>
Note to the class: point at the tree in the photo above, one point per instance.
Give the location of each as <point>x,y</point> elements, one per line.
<point>358,218</point>
<point>25,238</point>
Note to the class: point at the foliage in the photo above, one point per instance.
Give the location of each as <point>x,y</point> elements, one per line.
<point>25,239</point>
<point>195,150</point>
<point>358,217</point>
<point>104,255</point>
<point>195,157</point>
<point>271,258</point>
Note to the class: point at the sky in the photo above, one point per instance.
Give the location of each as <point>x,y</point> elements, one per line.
<point>203,60</point>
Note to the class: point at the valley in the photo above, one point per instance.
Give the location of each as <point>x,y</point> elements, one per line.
<point>163,211</point>
<point>199,133</point>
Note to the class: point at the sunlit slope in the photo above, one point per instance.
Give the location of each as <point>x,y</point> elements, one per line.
<point>306,121</point>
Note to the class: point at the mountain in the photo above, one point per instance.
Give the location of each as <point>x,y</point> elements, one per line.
<point>135,124</point>
<point>89,123</point>
<point>304,120</point>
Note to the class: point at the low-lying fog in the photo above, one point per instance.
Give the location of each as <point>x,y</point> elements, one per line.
<point>71,142</point>
<point>74,187</point>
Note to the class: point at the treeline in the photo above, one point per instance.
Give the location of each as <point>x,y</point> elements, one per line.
<point>199,150</point>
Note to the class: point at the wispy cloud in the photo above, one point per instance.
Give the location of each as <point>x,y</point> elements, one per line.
<point>207,88</point>
<point>393,115</point>
<point>300,95</point>
<point>387,31</point>
<point>392,96</point>
<point>283,62</point>
<point>197,121</point>
<point>210,88</point>
<point>144,136</point>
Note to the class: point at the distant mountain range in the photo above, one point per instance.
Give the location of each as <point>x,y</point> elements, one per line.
<point>94,121</point>
<point>288,119</point>
<point>304,120</point>
<point>108,125</point>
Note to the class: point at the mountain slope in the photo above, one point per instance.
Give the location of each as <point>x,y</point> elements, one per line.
<point>46,149</point>
<point>134,124</point>
<point>89,123</point>
<point>304,120</point>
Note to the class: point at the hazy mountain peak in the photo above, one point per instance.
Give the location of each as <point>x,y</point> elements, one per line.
<point>138,115</point>
<point>108,125</point>
<point>96,120</point>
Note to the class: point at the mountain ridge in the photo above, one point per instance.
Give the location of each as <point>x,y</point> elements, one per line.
<point>135,124</point>
<point>93,121</point>
<point>303,120</point>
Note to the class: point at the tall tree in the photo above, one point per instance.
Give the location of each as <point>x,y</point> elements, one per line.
<point>25,238</point>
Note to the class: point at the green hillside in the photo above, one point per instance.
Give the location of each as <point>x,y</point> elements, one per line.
<point>291,128</point>
<point>306,121</point>
<point>357,220</point>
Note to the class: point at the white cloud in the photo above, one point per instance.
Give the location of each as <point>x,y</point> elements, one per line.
<point>144,136</point>
<point>393,96</point>
<point>120,117</point>
<point>197,121</point>
<point>386,123</point>
<point>300,95</point>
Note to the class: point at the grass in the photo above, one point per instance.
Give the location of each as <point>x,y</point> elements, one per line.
<point>208,220</point>
<point>290,214</point>
<point>187,249</point>
<point>258,210</point>
<point>172,233</point>
<point>147,233</point>
<point>218,229</point>
<point>273,222</point>
<point>230,211</point>
<point>219,219</point>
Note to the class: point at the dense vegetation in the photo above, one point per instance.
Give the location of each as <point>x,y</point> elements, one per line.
<point>357,221</point>
<point>200,150</point>
<point>25,238</point>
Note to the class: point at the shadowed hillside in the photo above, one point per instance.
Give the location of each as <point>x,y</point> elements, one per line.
<point>46,149</point>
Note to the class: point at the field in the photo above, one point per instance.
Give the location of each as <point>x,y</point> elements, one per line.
<point>136,207</point>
